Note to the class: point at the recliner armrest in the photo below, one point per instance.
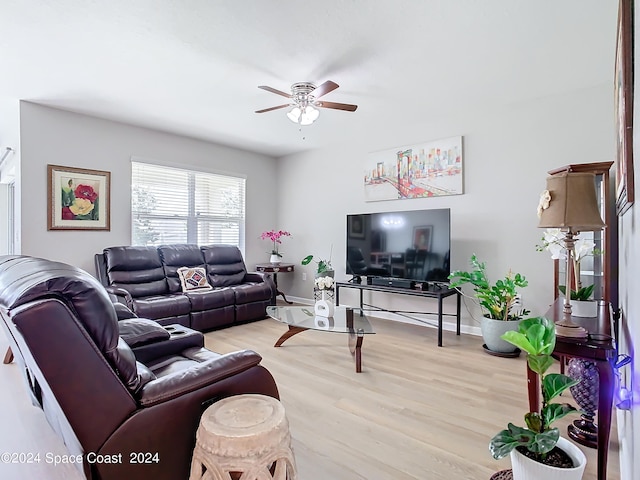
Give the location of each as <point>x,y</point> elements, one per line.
<point>254,277</point>
<point>140,331</point>
<point>260,277</point>
<point>206,373</point>
<point>121,292</point>
<point>180,339</point>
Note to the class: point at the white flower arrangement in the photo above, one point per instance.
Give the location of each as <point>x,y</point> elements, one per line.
<point>324,283</point>
<point>553,241</point>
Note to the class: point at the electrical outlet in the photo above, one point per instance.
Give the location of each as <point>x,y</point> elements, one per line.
<point>304,276</point>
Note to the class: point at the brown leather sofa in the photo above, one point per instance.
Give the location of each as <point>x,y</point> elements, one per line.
<point>106,400</point>
<point>146,280</point>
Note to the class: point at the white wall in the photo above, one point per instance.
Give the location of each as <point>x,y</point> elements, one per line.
<point>629,420</point>
<point>9,124</point>
<point>51,136</point>
<point>506,157</point>
<point>629,266</point>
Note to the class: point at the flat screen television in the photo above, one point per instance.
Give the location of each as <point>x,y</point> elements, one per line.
<point>413,245</point>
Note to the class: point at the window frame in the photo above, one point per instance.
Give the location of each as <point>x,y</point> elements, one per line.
<point>194,219</point>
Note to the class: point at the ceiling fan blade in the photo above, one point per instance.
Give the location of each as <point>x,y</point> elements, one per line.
<point>273,90</point>
<point>325,88</point>
<point>272,108</point>
<point>338,106</point>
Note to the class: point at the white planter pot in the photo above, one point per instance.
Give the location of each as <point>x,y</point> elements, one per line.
<point>492,330</point>
<point>526,469</point>
<point>274,260</point>
<point>588,308</point>
<point>324,307</point>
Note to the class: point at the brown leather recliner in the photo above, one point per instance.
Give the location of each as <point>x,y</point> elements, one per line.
<point>102,401</point>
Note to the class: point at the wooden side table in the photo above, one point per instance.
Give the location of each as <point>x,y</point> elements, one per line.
<point>275,269</point>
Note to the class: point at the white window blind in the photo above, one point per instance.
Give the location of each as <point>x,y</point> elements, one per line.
<point>172,205</point>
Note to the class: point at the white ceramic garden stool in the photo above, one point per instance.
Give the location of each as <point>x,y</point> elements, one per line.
<point>244,437</point>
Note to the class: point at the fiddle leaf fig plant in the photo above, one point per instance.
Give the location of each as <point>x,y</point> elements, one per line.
<point>536,337</point>
<point>497,300</point>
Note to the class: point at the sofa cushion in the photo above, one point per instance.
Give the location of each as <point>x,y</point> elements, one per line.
<point>177,256</point>
<point>138,270</point>
<point>161,306</point>
<point>193,278</point>
<point>225,265</point>
<point>140,331</point>
<point>210,299</point>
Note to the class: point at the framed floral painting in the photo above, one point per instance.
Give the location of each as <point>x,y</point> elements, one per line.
<point>78,198</point>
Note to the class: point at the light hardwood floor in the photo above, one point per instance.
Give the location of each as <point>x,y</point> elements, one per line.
<point>416,412</point>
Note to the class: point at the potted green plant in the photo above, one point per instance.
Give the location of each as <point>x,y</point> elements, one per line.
<point>323,269</point>
<point>582,294</point>
<point>537,450</point>
<point>498,302</point>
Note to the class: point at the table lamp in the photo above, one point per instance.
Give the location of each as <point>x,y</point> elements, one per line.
<point>570,204</point>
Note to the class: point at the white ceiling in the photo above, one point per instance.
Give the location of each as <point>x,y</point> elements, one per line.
<point>192,67</point>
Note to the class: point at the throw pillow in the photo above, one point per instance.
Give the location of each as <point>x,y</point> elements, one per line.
<point>193,278</point>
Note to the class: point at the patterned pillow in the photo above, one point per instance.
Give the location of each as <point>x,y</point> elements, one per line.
<point>193,278</point>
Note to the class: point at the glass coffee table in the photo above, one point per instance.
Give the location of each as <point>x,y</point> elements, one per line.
<point>345,320</point>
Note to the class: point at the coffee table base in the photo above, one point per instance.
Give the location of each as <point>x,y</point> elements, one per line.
<point>355,343</point>
<point>289,333</point>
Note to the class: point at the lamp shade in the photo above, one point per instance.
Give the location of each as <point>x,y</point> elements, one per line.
<point>571,203</point>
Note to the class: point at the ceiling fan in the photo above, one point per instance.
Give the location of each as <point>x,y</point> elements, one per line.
<point>304,100</point>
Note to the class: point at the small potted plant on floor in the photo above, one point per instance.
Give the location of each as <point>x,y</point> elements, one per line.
<point>498,302</point>
<point>537,450</point>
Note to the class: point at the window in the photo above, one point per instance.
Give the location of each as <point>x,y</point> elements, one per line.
<point>7,218</point>
<point>172,205</point>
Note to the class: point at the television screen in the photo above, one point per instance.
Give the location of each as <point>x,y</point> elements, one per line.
<point>411,245</point>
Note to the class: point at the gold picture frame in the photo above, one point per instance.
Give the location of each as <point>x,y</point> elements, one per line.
<point>623,88</point>
<point>78,198</point>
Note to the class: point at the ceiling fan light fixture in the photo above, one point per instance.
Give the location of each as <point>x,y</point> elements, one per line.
<point>304,101</point>
<point>309,115</point>
<point>294,114</point>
